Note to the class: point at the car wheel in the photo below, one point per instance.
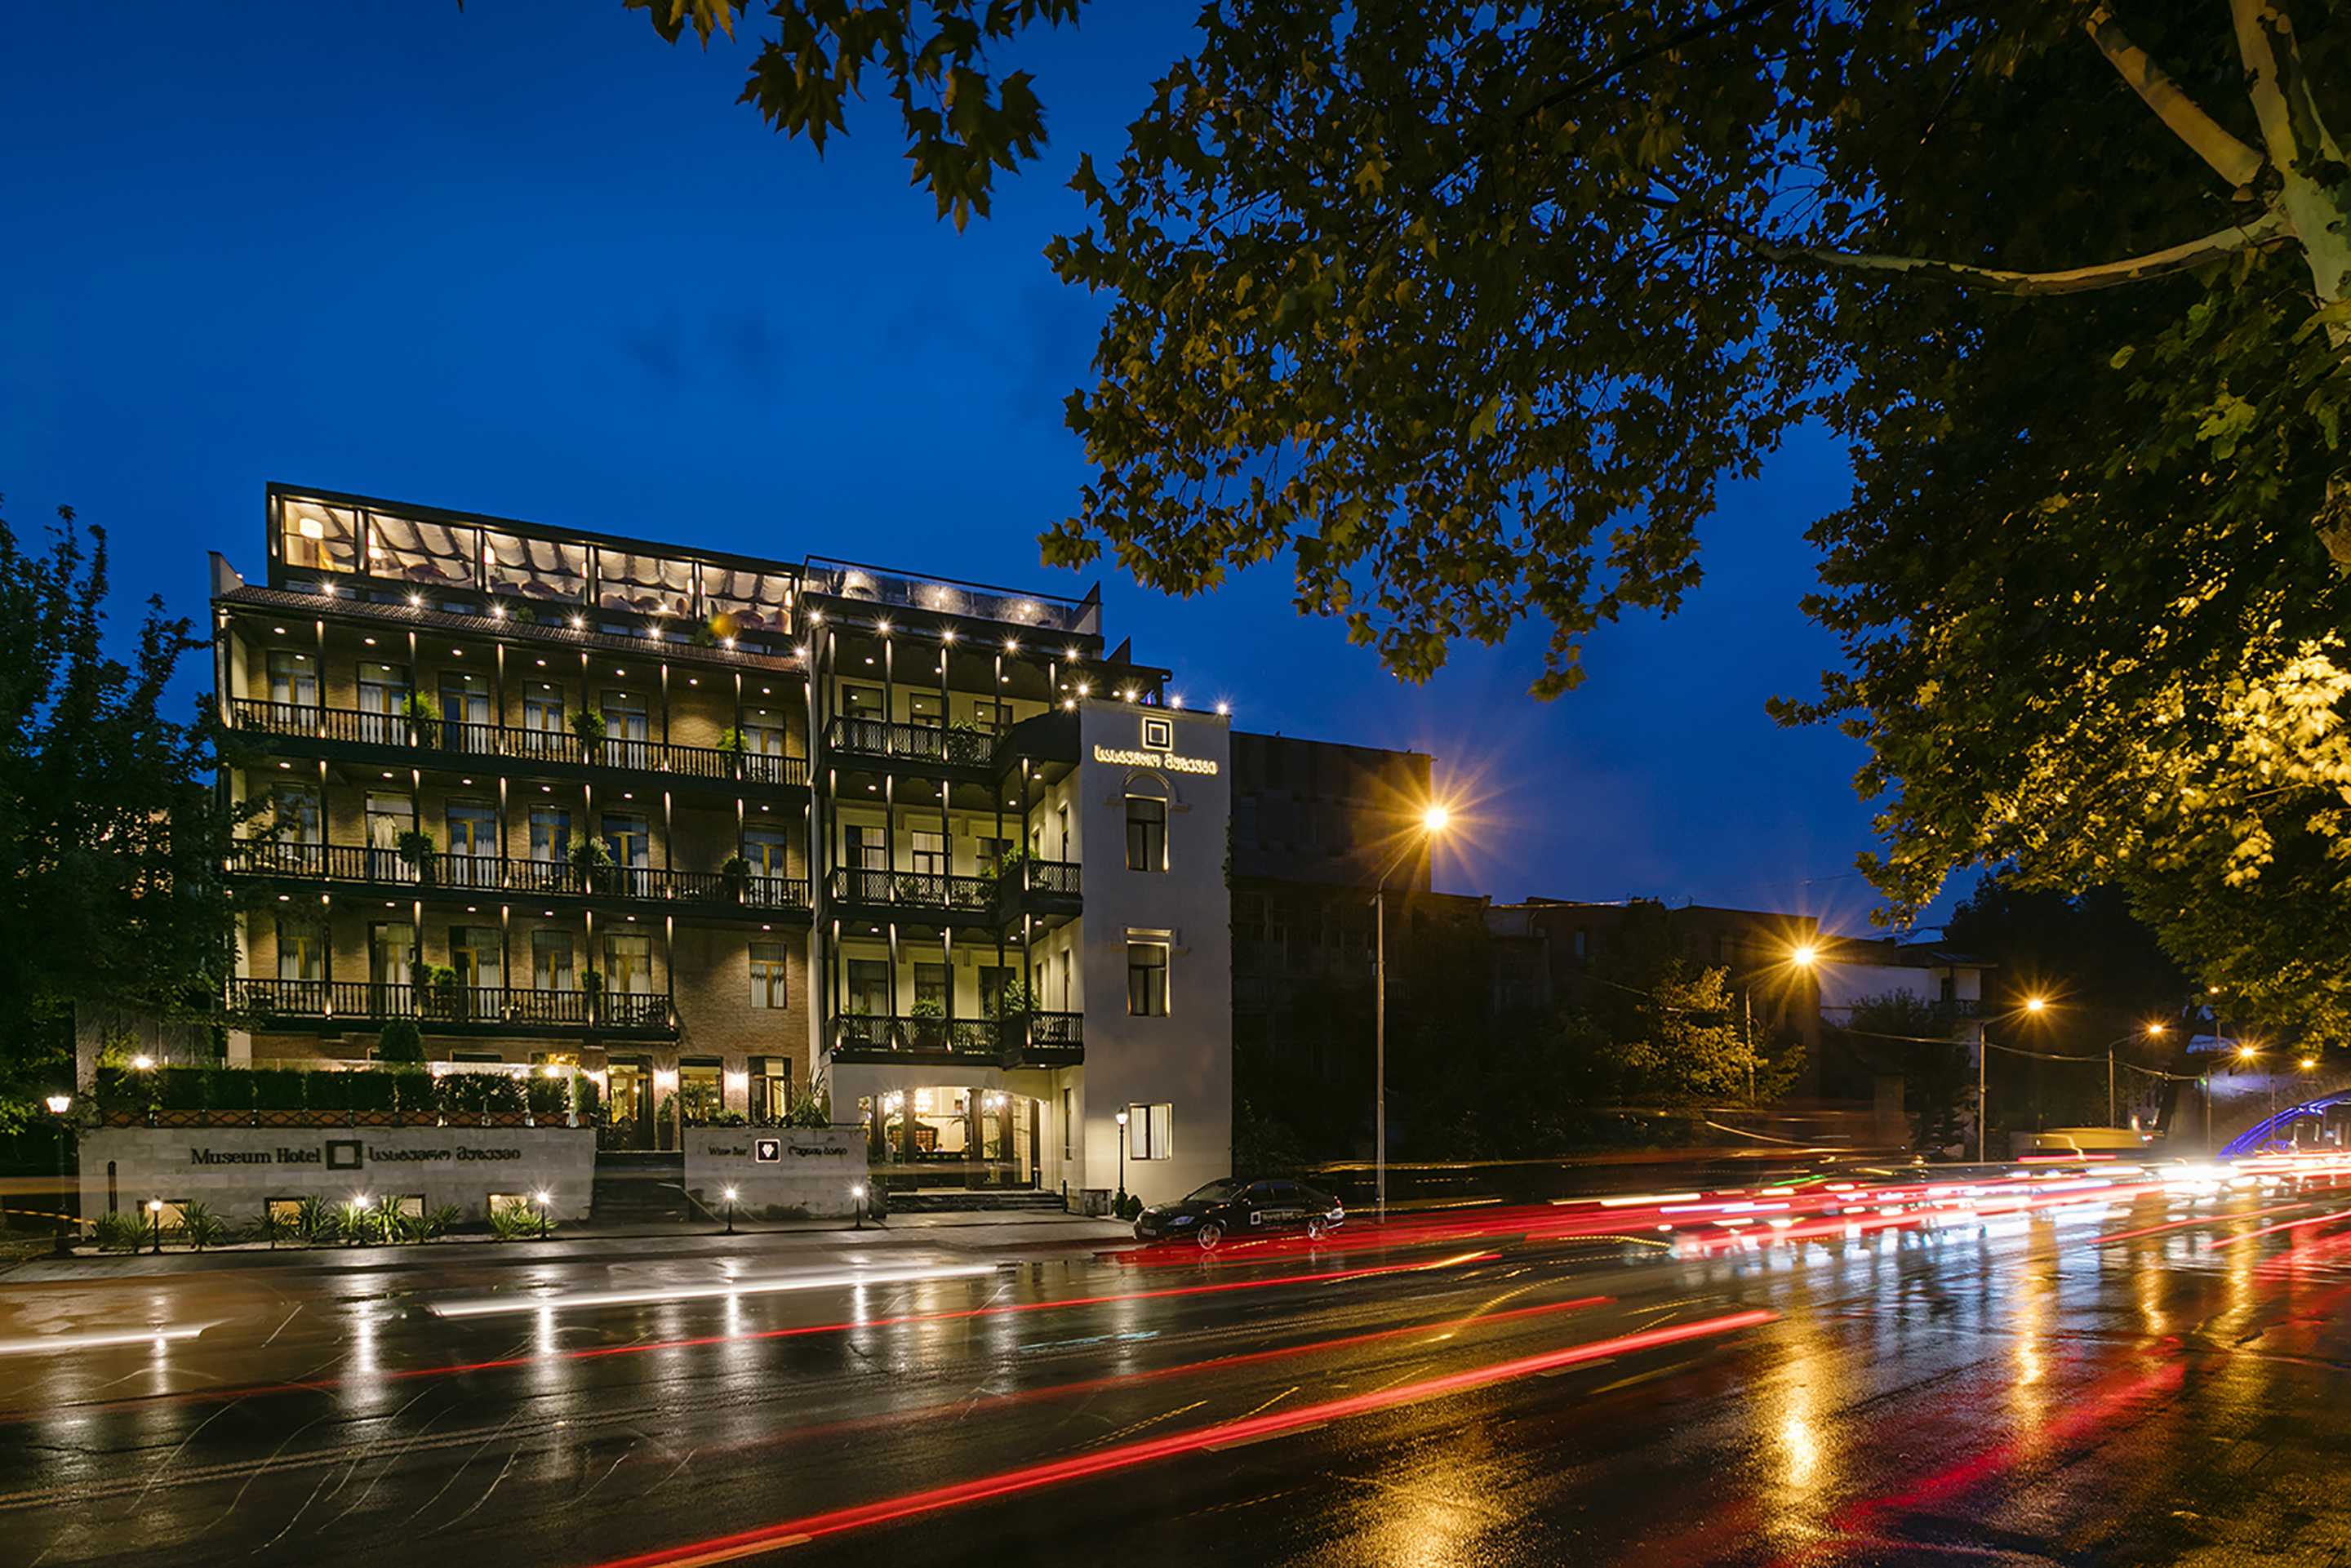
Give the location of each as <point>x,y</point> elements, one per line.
<point>1210,1235</point>
<point>1314,1228</point>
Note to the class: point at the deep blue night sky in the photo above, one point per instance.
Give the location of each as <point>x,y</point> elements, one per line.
<point>526,259</point>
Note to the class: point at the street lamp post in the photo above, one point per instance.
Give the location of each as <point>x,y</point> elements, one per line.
<point>59,1105</point>
<point>1433,822</point>
<point>1121,1120</point>
<point>542,1214</point>
<point>155,1217</point>
<point>730,1211</point>
<point>1983,1053</point>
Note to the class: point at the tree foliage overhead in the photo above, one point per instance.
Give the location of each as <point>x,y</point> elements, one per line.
<point>111,842</point>
<point>1467,308</point>
<point>962,123</point>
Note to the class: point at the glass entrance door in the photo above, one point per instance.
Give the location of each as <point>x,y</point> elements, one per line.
<point>628,1097</point>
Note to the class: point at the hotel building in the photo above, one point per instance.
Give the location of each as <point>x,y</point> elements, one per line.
<point>718,830</point>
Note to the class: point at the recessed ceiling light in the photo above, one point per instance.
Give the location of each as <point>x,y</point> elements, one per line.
<point>370,641</point>
<point>542,663</point>
<point>280,630</point>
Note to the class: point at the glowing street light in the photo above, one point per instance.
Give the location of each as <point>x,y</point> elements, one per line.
<point>1121,1120</point>
<point>1983,1051</point>
<point>1435,819</point>
<point>730,1211</point>
<point>59,1105</point>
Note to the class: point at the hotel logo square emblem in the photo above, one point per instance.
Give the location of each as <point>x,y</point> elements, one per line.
<point>1158,734</point>
<point>342,1155</point>
<point>767,1151</point>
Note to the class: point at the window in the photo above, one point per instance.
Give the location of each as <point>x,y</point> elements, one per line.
<point>542,708</point>
<point>768,960</point>
<point>1147,834</point>
<point>931,988</point>
<point>551,960</point>
<point>625,730</point>
<point>293,680</point>
<point>550,834</point>
<point>464,700</point>
<point>474,953</point>
<point>997,985</point>
<point>391,945</point>
<point>991,853</point>
<point>302,950</point>
<point>388,817</point>
<point>772,1087</point>
<point>699,1092</point>
<point>763,745</point>
<point>1146,979</point>
<point>1147,1132</point>
<point>865,848</point>
<point>1069,983</point>
<point>630,841</point>
<point>869,988</point>
<point>629,966</point>
<point>929,855</point>
<point>295,807</point>
<point>473,841</point>
<point>383,702</point>
<point>1068,850</point>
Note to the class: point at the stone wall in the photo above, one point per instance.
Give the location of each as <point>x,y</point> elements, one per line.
<point>237,1169</point>
<point>777,1172</point>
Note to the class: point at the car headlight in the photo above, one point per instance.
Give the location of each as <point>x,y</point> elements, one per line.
<point>1182,1220</point>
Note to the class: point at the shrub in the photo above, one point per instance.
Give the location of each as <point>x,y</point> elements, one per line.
<point>549,1097</point>
<point>181,1088</point>
<point>231,1088</point>
<point>123,1090</point>
<point>500,1092</point>
<point>279,1088</point>
<point>810,1106</point>
<point>274,1227</point>
<point>316,1219</point>
<point>356,1222</point>
<point>585,1096</point>
<point>514,1220</point>
<point>372,1091</point>
<point>414,1094</point>
<point>433,1223</point>
<point>202,1227</point>
<point>459,1096</point>
<point>330,1091</point>
<point>119,1232</point>
<point>400,1041</point>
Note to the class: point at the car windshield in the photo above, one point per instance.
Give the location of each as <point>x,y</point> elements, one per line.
<point>1216,1192</point>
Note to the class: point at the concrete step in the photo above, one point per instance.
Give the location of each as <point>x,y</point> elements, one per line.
<point>955,1200</point>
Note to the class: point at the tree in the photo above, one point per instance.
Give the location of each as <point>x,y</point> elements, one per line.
<point>961,124</point>
<point>1468,309</point>
<point>1898,1032</point>
<point>402,1043</point>
<point>110,840</point>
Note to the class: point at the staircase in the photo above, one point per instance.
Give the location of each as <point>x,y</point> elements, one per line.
<point>637,1187</point>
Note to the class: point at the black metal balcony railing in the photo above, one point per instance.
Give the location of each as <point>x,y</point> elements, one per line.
<point>478,1005</point>
<point>494,873</point>
<point>460,737</point>
<point>1051,879</point>
<point>915,890</point>
<point>910,742</point>
<point>992,1038</point>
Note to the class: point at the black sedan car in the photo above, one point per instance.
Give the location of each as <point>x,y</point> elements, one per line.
<point>1241,1208</point>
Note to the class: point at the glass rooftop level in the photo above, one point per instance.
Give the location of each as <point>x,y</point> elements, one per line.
<point>944,596</point>
<point>500,567</point>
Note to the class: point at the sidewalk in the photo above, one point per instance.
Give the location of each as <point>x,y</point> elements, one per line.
<point>1009,1235</point>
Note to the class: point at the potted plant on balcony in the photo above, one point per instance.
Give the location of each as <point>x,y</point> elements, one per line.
<point>423,719</point>
<point>416,847</point>
<point>966,746</point>
<point>592,864</point>
<point>589,726</point>
<point>734,875</point>
<point>446,1000</point>
<point>591,991</point>
<point>930,1025</point>
<point>731,745</point>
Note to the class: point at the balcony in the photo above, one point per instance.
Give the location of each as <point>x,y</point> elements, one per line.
<point>1019,1040</point>
<point>451,1009</point>
<point>458,740</point>
<point>964,898</point>
<point>923,743</point>
<point>1041,888</point>
<point>463,876</point>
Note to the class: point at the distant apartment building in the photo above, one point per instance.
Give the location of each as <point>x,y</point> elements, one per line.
<point>715,828</point>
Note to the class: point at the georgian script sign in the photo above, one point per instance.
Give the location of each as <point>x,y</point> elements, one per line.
<point>346,1155</point>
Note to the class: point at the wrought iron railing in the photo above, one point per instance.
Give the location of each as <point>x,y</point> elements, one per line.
<point>1049,1033</point>
<point>463,737</point>
<point>429,1005</point>
<point>915,890</point>
<point>359,862</point>
<point>913,742</point>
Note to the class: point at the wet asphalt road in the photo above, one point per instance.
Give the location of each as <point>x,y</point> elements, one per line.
<point>2012,1390</point>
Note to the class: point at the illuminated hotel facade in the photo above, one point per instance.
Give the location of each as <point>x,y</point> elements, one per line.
<point>718,830</point>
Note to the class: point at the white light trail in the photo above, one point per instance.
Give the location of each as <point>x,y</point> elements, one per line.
<point>491,1306</point>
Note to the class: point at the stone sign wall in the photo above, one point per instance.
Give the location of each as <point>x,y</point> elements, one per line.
<point>777,1172</point>
<point>235,1170</point>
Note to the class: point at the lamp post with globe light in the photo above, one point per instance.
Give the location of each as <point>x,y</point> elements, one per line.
<point>1121,1120</point>
<point>59,1105</point>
